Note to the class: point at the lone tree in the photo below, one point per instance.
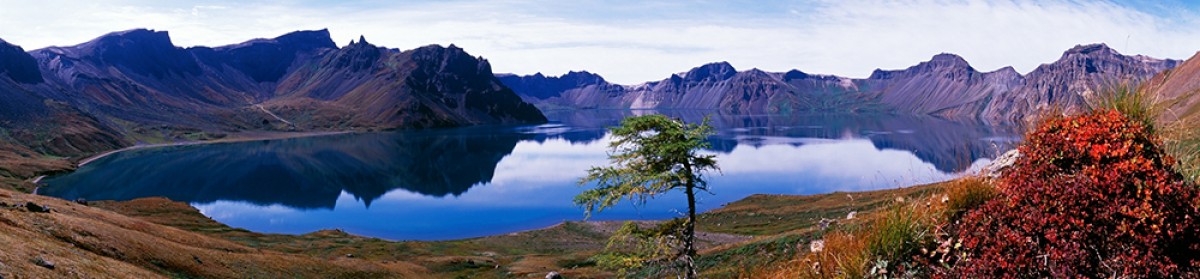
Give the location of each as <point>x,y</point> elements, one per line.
<point>651,155</point>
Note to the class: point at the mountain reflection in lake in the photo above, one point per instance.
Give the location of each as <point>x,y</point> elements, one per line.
<point>467,182</point>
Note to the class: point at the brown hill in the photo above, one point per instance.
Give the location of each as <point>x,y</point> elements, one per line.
<point>1179,90</point>
<point>74,240</point>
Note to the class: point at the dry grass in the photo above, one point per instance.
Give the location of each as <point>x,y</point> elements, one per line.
<point>966,194</point>
<point>891,234</point>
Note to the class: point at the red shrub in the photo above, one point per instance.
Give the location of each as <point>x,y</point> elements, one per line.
<point>1091,196</point>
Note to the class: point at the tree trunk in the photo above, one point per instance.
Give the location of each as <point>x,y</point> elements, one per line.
<point>689,240</point>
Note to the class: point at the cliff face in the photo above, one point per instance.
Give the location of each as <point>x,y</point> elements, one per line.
<point>430,86</point>
<point>133,84</point>
<point>945,86</point>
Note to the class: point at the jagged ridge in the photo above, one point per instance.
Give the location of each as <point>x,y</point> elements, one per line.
<point>945,86</point>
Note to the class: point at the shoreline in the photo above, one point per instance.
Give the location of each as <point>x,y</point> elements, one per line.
<point>267,136</point>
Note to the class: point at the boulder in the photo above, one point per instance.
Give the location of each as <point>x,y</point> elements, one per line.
<point>35,208</point>
<point>1001,164</point>
<point>39,261</point>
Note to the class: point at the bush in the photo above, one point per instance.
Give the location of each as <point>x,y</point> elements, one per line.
<point>1092,196</point>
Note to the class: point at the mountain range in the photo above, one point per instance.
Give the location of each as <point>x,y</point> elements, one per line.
<point>945,86</point>
<point>136,86</point>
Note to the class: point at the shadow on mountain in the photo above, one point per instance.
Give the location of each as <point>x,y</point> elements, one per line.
<point>302,173</point>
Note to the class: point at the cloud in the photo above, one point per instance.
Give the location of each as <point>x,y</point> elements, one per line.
<point>635,41</point>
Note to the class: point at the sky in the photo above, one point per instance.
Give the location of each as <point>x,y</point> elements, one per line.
<point>630,42</point>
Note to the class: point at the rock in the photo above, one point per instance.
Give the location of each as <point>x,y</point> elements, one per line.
<point>1001,164</point>
<point>82,201</point>
<point>39,261</point>
<point>35,208</point>
<point>553,275</point>
<point>825,223</point>
<point>816,246</point>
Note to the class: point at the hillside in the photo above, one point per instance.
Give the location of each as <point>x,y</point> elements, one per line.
<point>1177,90</point>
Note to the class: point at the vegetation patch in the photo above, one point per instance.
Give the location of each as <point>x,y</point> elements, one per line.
<point>1092,196</point>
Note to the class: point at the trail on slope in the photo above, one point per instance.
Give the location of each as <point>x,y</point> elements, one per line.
<point>275,116</point>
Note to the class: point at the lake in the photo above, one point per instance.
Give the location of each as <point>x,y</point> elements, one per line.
<point>467,182</point>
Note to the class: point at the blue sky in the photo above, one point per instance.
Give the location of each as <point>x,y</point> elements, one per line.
<point>636,41</point>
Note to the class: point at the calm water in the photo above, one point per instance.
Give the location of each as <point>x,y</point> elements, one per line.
<point>468,182</point>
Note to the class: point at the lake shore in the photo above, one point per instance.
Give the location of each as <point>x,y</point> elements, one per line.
<point>241,137</point>
<point>737,239</point>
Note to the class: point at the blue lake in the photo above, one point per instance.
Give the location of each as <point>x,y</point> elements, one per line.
<point>477,181</point>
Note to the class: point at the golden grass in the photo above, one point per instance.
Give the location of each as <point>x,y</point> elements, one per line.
<point>892,234</point>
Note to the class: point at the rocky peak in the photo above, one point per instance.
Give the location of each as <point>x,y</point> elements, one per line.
<point>1099,58</point>
<point>357,56</point>
<point>1090,49</point>
<point>951,65</point>
<point>17,64</point>
<point>948,60</point>
<point>795,74</point>
<point>131,38</point>
<point>142,51</point>
<point>307,39</point>
<point>717,71</point>
<point>451,60</point>
<point>582,77</point>
<point>266,60</point>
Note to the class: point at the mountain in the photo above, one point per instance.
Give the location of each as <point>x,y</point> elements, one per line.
<point>945,86</point>
<point>378,87</point>
<point>136,85</point>
<point>1069,83</point>
<point>1177,89</point>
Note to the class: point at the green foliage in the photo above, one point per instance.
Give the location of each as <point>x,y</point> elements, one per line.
<point>1135,104</point>
<point>632,248</point>
<point>651,155</point>
<point>900,233</point>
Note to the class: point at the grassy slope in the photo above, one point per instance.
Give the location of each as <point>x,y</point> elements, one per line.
<point>92,242</point>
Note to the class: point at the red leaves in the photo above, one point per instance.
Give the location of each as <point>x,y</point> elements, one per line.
<point>1091,196</point>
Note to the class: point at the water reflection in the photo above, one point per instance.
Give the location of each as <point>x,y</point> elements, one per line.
<point>300,173</point>
<point>456,183</point>
<point>952,146</point>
